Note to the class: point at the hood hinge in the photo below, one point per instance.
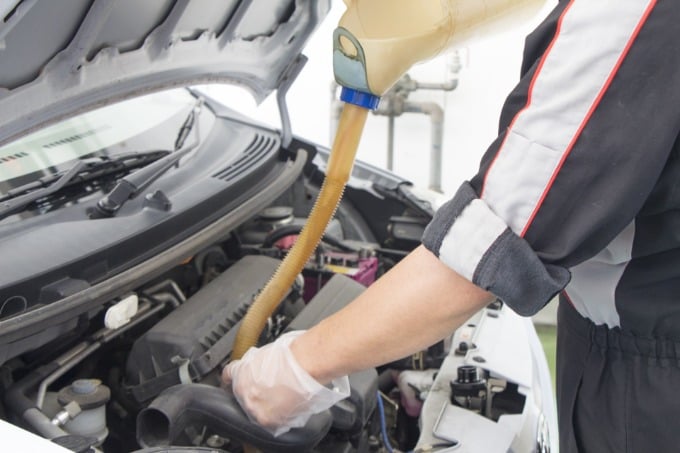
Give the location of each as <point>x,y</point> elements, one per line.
<point>287,79</point>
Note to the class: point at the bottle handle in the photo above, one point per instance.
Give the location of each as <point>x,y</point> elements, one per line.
<point>349,66</point>
<point>341,32</point>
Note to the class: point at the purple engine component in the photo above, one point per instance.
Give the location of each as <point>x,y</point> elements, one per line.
<point>361,270</point>
<point>368,268</point>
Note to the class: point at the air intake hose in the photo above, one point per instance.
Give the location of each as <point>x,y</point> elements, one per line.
<point>166,419</point>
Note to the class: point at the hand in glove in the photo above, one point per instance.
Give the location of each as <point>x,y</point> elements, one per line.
<point>275,391</point>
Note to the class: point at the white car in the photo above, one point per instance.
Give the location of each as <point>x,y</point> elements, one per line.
<point>139,217</point>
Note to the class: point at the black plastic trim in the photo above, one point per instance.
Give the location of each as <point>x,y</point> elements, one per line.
<point>27,324</point>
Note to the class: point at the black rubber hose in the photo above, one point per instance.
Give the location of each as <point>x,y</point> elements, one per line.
<point>183,405</point>
<point>289,230</point>
<point>386,381</point>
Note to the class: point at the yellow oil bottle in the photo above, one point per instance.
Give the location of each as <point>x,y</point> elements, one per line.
<point>377,41</point>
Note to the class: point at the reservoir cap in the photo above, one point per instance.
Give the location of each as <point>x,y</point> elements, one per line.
<point>360,98</point>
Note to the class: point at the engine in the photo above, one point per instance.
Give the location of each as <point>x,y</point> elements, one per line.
<point>144,372</point>
<point>195,340</point>
<point>148,374</point>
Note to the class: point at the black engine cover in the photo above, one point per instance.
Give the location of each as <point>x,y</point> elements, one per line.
<point>196,337</point>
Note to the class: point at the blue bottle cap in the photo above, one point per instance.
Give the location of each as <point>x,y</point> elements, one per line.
<point>360,98</point>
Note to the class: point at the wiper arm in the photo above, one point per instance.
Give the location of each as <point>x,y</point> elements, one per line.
<point>133,184</point>
<point>82,171</point>
<point>153,163</point>
<point>14,205</point>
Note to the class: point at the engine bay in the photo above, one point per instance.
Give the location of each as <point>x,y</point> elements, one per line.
<point>131,257</point>
<point>143,371</point>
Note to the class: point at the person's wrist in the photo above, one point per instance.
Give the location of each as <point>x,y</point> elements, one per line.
<point>310,359</point>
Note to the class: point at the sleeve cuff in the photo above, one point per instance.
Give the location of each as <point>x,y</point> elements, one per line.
<point>469,238</point>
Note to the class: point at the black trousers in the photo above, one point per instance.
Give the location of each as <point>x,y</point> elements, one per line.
<point>615,392</point>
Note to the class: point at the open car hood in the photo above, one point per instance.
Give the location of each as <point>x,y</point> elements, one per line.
<point>64,57</point>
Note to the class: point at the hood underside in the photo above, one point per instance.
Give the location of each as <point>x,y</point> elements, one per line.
<point>58,58</point>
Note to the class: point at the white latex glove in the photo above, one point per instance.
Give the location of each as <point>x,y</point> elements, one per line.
<point>275,391</point>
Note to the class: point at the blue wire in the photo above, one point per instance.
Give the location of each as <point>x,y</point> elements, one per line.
<point>383,424</point>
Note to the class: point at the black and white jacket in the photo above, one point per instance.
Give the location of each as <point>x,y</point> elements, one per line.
<point>580,193</point>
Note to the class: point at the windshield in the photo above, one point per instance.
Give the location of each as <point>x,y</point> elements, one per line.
<point>119,128</point>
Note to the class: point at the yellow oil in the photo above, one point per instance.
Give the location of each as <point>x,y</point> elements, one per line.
<point>339,168</point>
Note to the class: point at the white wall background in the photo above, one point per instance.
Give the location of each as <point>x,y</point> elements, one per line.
<point>491,67</point>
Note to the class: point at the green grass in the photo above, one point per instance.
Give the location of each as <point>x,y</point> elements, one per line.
<point>548,336</point>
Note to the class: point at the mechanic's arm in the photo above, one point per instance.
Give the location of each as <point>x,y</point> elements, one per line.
<point>417,303</point>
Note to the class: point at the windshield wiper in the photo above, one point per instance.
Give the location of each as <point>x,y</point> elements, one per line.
<point>82,171</point>
<point>133,184</point>
<point>14,205</point>
<point>153,163</point>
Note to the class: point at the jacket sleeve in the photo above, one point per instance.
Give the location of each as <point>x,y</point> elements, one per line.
<point>584,138</point>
